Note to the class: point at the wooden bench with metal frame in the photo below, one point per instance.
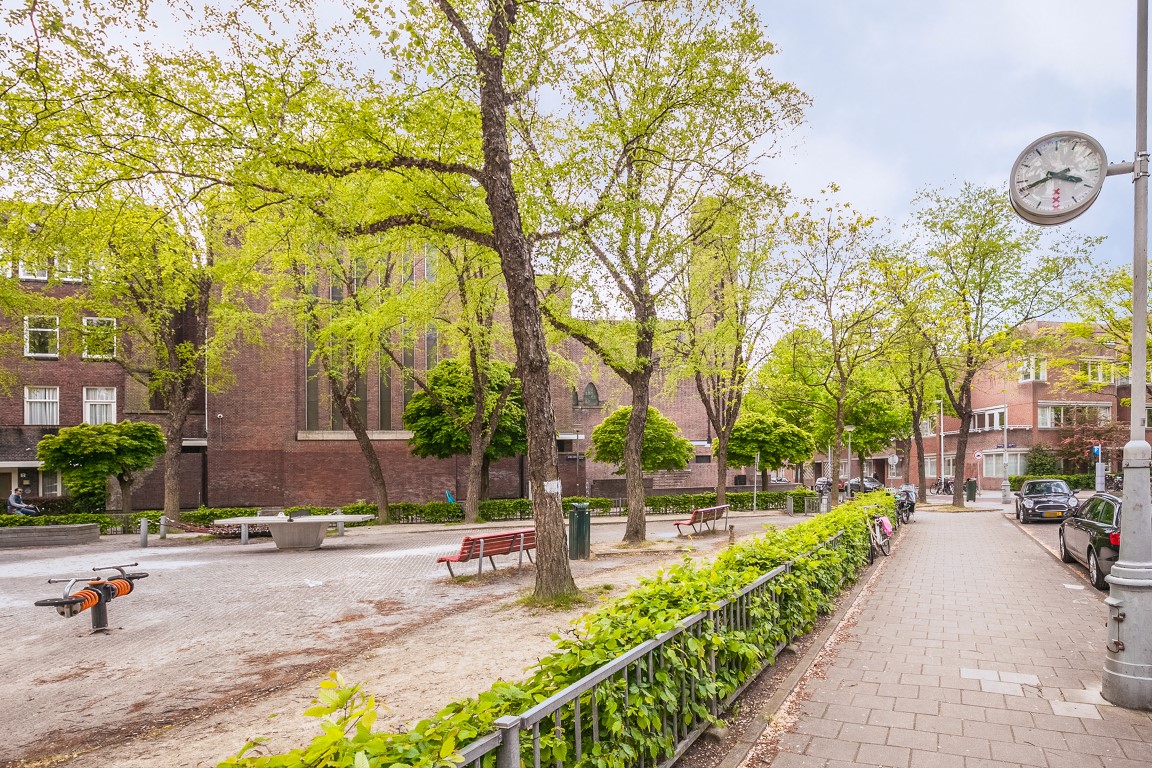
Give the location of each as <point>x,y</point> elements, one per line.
<point>705,518</point>
<point>491,544</point>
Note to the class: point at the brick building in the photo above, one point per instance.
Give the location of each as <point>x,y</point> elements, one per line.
<point>1022,403</point>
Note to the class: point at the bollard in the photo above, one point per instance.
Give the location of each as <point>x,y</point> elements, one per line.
<point>163,527</point>
<point>143,532</point>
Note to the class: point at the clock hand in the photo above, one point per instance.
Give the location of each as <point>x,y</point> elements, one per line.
<point>1066,177</point>
<point>1051,175</point>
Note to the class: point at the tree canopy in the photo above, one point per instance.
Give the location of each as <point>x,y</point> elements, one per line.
<point>663,447</point>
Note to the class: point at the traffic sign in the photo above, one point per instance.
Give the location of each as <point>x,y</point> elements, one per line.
<point>893,460</point>
<point>979,455</point>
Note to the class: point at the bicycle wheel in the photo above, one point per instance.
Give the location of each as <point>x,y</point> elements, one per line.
<point>885,544</point>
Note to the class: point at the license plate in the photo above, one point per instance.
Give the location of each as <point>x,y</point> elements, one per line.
<point>1053,514</point>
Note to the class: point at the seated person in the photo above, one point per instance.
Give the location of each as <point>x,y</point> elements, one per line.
<point>16,505</point>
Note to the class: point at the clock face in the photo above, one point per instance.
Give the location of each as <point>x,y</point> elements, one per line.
<point>1057,177</point>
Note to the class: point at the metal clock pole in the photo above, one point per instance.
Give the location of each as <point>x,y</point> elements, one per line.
<point>1127,678</point>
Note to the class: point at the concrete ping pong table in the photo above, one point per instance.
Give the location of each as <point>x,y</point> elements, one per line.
<point>302,532</point>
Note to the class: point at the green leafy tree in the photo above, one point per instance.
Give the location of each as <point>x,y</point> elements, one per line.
<point>663,447</point>
<point>441,419</point>
<point>1080,433</point>
<point>1043,460</point>
<point>680,93</point>
<point>732,290</point>
<point>774,440</point>
<point>982,275</point>
<point>88,454</point>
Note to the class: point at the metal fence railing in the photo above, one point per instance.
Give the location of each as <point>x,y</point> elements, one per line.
<point>573,721</point>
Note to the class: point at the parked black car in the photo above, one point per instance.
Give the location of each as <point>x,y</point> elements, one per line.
<point>1091,535</point>
<point>1049,499</point>
<point>823,484</point>
<point>867,485</point>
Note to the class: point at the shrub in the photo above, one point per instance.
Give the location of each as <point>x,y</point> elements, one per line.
<point>506,509</point>
<point>13,521</point>
<point>785,611</point>
<point>1075,482</point>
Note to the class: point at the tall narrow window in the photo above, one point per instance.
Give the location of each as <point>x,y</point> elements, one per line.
<point>41,336</point>
<point>429,264</point>
<point>99,405</point>
<point>99,338</point>
<point>385,394</point>
<point>409,360</point>
<point>591,395</point>
<point>42,406</point>
<point>431,347</point>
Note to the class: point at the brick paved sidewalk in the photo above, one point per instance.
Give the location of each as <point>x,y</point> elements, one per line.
<point>972,647</point>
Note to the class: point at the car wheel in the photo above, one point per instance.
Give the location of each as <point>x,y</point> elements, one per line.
<point>1024,517</point>
<point>1094,574</point>
<point>1017,511</point>
<point>1065,555</point>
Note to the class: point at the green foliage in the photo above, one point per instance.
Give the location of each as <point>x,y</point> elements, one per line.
<point>663,448</point>
<point>786,609</point>
<point>440,420</point>
<point>88,454</point>
<point>777,442</point>
<point>1075,482</point>
<point>12,521</point>
<point>506,509</point>
<point>1042,460</point>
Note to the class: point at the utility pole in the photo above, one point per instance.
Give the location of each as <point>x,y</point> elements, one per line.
<point>1127,678</point>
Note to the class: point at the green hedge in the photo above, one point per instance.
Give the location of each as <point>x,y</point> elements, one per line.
<point>1075,482</point>
<point>12,521</point>
<point>787,610</point>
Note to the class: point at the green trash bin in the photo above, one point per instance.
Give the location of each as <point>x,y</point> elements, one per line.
<point>970,489</point>
<point>579,532</point>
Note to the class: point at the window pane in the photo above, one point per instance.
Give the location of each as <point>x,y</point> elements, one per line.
<point>99,405</point>
<point>41,336</point>
<point>41,406</point>
<point>99,338</point>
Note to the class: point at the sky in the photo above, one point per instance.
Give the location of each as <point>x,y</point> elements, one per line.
<point>910,94</point>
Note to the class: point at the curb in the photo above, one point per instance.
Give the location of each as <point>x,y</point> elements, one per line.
<point>751,736</point>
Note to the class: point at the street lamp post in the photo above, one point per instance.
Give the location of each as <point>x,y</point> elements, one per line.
<point>1005,487</point>
<point>848,428</point>
<point>940,429</point>
<point>1127,678</point>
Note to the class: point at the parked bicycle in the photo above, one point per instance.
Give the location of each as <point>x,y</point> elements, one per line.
<point>905,504</point>
<point>879,536</point>
<point>943,487</point>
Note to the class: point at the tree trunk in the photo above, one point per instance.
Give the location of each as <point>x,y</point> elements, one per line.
<point>476,463</point>
<point>634,531</point>
<point>964,411</point>
<point>722,468</point>
<point>553,574</point>
<point>125,496</point>
<point>485,478</point>
<point>341,392</point>
<point>173,442</point>
<point>922,488</point>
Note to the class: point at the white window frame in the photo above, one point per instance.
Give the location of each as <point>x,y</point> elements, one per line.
<point>930,466</point>
<point>27,273</point>
<point>1046,413</point>
<point>42,327</point>
<point>92,403</point>
<point>994,463</point>
<point>949,465</point>
<point>1033,368</point>
<point>51,397</point>
<point>843,468</point>
<point>68,272</point>
<point>57,488</point>
<point>96,321</point>
<point>1095,369</point>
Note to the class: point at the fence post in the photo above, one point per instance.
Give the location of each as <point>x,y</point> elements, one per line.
<point>143,532</point>
<point>508,755</point>
<point>788,506</point>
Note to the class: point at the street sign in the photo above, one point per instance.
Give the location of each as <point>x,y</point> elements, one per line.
<point>1096,451</point>
<point>893,460</point>
<point>979,455</point>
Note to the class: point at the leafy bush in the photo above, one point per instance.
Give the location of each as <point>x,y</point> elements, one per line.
<point>596,505</point>
<point>786,610</point>
<point>1075,482</point>
<point>506,509</point>
<point>14,521</point>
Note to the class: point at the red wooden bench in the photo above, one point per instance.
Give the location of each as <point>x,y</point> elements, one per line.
<point>491,544</point>
<point>705,517</point>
